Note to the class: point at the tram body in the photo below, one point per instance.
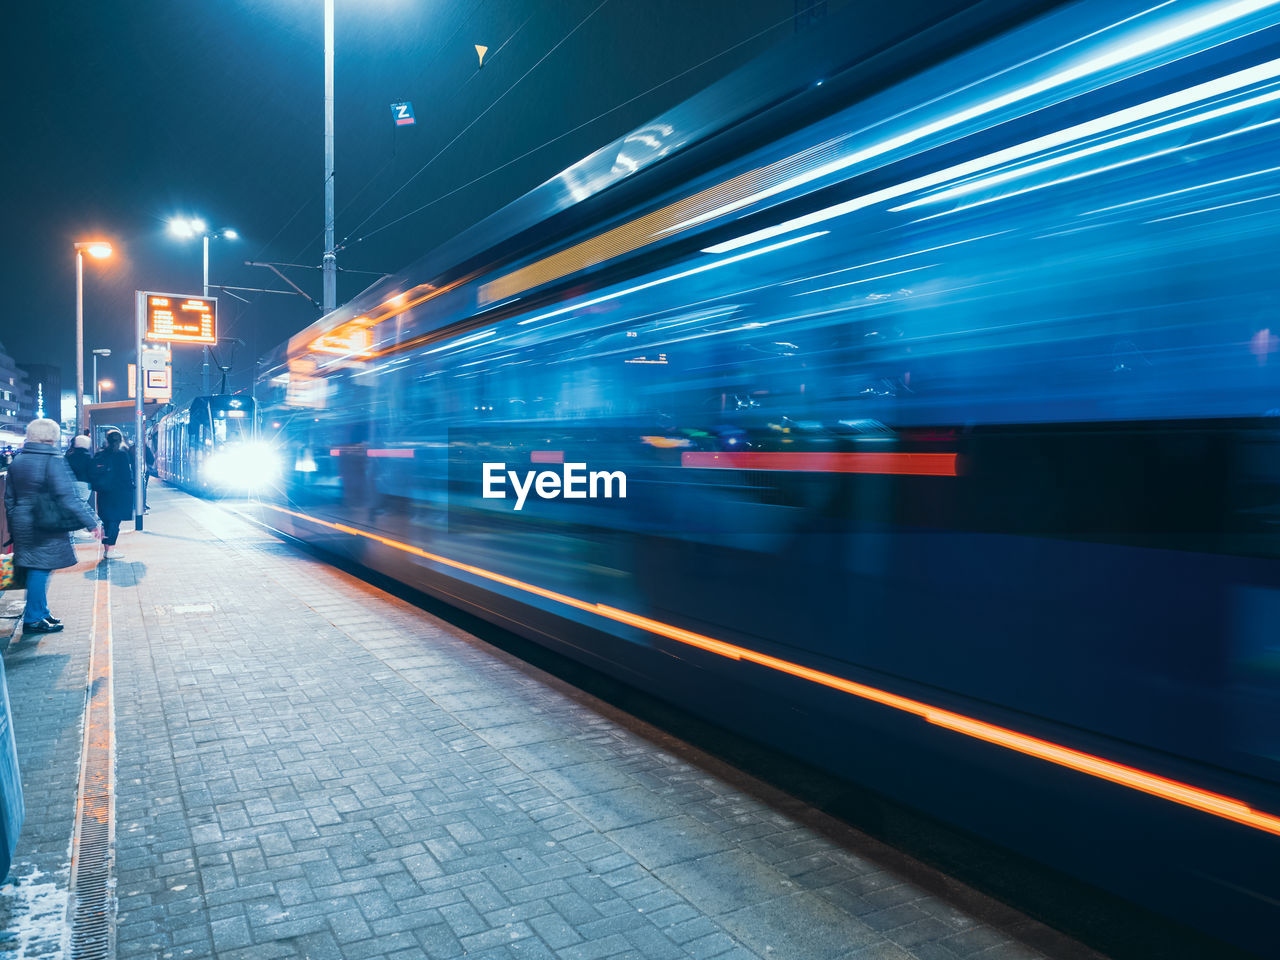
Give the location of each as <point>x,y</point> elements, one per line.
<point>946,400</point>
<point>211,445</point>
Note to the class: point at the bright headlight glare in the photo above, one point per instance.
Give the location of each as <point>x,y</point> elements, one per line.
<point>248,466</point>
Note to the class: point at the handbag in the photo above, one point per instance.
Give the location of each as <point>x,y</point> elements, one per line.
<point>50,514</point>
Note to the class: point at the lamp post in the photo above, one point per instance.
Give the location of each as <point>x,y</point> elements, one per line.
<point>100,352</point>
<point>99,250</point>
<point>103,385</point>
<point>330,262</point>
<point>195,227</point>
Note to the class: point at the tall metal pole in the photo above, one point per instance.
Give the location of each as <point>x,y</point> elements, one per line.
<point>330,263</point>
<point>139,457</point>
<point>204,370</point>
<point>96,398</point>
<point>80,343</point>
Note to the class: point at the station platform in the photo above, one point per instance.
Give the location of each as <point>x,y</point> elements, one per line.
<point>298,764</point>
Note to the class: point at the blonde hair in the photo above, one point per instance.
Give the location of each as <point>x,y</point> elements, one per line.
<point>43,431</point>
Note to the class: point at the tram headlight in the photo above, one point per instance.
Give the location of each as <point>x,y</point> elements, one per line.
<point>243,467</point>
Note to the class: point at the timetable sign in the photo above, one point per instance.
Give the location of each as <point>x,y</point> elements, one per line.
<point>180,319</point>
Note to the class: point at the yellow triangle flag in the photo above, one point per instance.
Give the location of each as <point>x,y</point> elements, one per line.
<point>481,50</point>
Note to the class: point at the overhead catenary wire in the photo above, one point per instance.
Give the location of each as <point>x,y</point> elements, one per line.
<point>572,130</point>
<point>480,116</point>
<point>391,159</point>
<point>306,203</point>
<point>492,55</point>
<point>348,240</point>
<point>316,266</point>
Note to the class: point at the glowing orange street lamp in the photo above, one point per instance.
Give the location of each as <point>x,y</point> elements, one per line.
<point>99,250</point>
<point>103,385</point>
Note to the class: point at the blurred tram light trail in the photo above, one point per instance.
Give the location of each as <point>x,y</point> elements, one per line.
<point>1134,778</point>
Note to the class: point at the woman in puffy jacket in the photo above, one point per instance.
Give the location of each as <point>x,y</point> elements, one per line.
<point>40,472</point>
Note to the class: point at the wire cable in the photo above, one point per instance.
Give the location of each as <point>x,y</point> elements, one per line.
<point>391,159</point>
<point>569,132</point>
<point>480,116</point>
<point>305,203</point>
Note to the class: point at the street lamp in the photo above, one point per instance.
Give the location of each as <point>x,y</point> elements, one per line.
<point>100,352</point>
<point>329,264</point>
<point>186,229</point>
<point>104,385</point>
<point>99,250</point>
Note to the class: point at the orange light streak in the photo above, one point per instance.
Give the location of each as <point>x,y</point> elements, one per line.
<point>1134,778</point>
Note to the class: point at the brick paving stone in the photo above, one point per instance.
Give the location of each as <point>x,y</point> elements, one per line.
<point>318,769</point>
<point>47,677</point>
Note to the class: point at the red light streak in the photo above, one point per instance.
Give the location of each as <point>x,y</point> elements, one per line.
<point>899,464</point>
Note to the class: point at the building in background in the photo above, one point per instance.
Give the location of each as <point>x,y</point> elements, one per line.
<point>44,389</point>
<point>68,411</point>
<point>14,409</point>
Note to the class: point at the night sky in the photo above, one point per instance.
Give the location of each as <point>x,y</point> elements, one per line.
<point>120,116</point>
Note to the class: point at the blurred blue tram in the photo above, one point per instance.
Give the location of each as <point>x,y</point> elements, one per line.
<point>945,376</point>
<point>211,446</point>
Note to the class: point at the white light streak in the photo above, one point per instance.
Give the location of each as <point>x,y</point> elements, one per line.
<point>974,186</point>
<point>1154,40</point>
<point>1221,206</point>
<point>854,283</point>
<point>472,338</point>
<point>901,256</point>
<point>1182,98</point>
<point>703,268</point>
<point>1174,193</point>
<point>1178,148</point>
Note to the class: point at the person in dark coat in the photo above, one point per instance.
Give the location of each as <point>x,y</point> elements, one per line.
<point>114,482</point>
<point>39,472</point>
<point>80,460</point>
<point>149,459</point>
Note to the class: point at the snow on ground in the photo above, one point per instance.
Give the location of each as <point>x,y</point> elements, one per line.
<point>37,914</point>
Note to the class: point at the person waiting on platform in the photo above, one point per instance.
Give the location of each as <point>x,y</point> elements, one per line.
<point>43,507</point>
<point>149,456</point>
<point>113,481</point>
<point>80,460</point>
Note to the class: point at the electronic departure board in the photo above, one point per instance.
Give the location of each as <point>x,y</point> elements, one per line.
<point>181,319</point>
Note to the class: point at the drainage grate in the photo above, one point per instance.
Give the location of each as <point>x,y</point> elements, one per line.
<point>91,909</point>
<point>183,609</point>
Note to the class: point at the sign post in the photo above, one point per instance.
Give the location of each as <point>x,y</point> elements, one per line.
<point>171,318</point>
<point>139,457</point>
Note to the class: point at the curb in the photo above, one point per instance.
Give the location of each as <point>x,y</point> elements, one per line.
<point>11,604</point>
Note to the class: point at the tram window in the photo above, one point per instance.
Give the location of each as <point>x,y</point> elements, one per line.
<point>225,429</point>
